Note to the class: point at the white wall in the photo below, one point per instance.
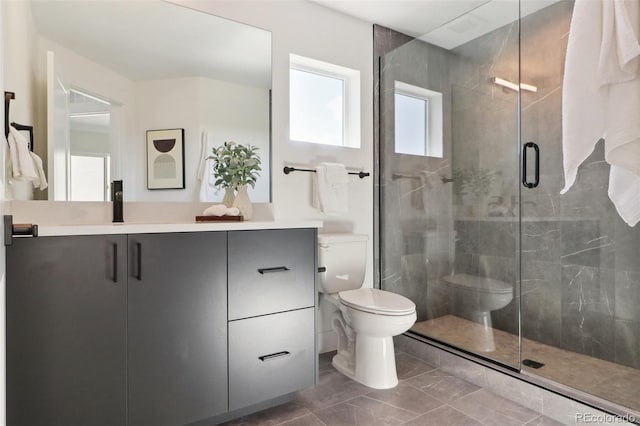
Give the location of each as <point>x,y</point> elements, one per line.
<point>19,28</point>
<point>316,32</point>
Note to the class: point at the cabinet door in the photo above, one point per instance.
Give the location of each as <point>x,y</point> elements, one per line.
<point>271,271</point>
<point>66,331</point>
<point>177,327</point>
<point>270,356</point>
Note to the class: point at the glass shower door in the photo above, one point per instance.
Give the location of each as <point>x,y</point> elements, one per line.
<point>580,269</point>
<point>450,180</point>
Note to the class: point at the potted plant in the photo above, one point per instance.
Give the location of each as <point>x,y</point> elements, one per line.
<point>236,166</point>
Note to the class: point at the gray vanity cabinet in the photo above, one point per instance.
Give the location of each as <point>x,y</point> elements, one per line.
<point>177,323</point>
<point>66,330</point>
<point>157,329</point>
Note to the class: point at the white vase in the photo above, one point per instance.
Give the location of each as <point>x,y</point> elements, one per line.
<point>228,198</point>
<point>243,203</point>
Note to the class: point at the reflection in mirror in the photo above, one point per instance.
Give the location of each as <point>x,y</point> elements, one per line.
<point>93,77</point>
<point>89,131</point>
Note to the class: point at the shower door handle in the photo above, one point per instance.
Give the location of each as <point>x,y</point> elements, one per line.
<point>525,150</point>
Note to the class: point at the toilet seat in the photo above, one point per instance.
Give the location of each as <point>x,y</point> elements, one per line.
<point>376,301</point>
<point>478,284</point>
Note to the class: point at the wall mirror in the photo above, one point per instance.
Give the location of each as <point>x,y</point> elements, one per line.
<point>98,75</point>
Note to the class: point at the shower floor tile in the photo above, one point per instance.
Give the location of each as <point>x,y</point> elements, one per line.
<point>607,380</point>
<point>425,396</point>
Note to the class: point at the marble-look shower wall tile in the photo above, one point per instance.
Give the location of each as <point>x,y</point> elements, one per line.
<point>627,244</point>
<point>541,304</point>
<point>627,295</point>
<point>583,243</point>
<point>587,289</point>
<point>627,343</point>
<point>589,333</point>
<point>588,306</point>
<point>497,238</point>
<point>466,237</point>
<point>499,268</point>
<point>540,241</point>
<point>466,264</point>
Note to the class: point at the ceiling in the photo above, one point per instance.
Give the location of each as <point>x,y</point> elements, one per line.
<point>446,23</point>
<point>413,17</point>
<point>144,40</point>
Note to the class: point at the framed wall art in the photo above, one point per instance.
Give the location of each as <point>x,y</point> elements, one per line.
<point>165,159</point>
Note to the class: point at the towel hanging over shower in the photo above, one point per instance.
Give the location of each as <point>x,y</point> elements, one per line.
<point>601,97</point>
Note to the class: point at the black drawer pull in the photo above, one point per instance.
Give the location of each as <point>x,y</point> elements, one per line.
<point>115,262</point>
<point>139,261</point>
<point>322,269</point>
<point>276,269</point>
<point>269,357</point>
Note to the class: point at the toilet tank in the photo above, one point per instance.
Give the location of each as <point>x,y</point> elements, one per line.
<point>345,257</point>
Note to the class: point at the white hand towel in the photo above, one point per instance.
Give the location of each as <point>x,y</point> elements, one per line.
<point>13,156</point>
<point>624,191</point>
<point>619,50</point>
<point>221,210</point>
<point>41,181</point>
<point>583,98</point>
<point>331,189</point>
<point>601,97</point>
<point>26,169</point>
<point>622,121</point>
<point>215,210</point>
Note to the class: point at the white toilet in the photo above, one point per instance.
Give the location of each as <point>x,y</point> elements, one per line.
<point>365,319</point>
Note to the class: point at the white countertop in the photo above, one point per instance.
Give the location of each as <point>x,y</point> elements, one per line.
<point>155,228</point>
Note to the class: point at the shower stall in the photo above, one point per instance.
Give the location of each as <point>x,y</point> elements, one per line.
<point>472,225</point>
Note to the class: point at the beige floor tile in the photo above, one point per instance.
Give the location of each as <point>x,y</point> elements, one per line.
<point>406,397</point>
<point>443,416</point>
<point>364,411</point>
<point>442,386</point>
<point>487,407</point>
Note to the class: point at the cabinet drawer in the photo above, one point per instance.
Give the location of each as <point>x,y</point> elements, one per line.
<point>271,271</point>
<point>270,356</point>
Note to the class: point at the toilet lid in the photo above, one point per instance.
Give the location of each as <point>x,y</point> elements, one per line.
<point>377,301</point>
<point>479,284</point>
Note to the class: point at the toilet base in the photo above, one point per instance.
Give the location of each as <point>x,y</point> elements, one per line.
<point>483,342</point>
<point>375,363</point>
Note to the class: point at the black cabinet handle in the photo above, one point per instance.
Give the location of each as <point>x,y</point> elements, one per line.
<point>276,269</point>
<point>269,357</point>
<point>322,269</point>
<point>525,149</point>
<point>139,258</point>
<point>115,262</point>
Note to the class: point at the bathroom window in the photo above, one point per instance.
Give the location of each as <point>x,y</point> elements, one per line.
<point>418,121</point>
<point>324,103</point>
